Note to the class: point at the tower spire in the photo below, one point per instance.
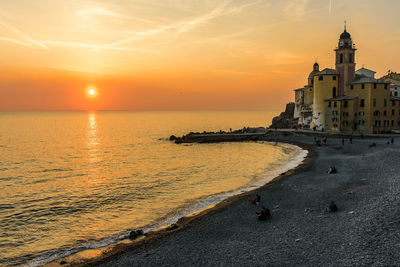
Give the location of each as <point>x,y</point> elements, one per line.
<point>345,22</point>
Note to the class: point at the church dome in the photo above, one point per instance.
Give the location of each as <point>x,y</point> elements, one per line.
<point>345,35</point>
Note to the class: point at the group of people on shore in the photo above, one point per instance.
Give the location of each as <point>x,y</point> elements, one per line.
<point>265,213</point>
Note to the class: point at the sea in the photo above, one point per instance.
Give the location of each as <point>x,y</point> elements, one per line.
<point>77,180</point>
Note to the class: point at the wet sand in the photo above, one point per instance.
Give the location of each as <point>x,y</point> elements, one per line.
<point>364,232</point>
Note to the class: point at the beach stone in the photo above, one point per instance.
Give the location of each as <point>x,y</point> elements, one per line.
<point>172,227</point>
<point>135,234</point>
<point>172,137</point>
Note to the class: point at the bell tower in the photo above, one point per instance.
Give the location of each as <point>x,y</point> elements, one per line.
<point>345,60</point>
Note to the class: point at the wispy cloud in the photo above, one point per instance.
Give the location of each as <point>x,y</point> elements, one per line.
<point>15,41</point>
<point>295,8</point>
<point>26,39</point>
<point>93,46</point>
<point>97,11</point>
<point>181,27</point>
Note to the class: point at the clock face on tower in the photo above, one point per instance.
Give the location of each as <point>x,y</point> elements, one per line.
<point>341,43</point>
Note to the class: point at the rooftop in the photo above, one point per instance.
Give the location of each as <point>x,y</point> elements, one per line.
<point>328,71</point>
<point>359,78</point>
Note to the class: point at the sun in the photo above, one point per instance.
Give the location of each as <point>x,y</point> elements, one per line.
<point>91,92</point>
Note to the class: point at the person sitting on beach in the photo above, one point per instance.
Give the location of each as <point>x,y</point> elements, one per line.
<point>264,215</point>
<point>256,200</point>
<point>331,207</point>
<point>332,170</point>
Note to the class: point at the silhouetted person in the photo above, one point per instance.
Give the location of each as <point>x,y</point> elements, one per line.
<point>324,140</point>
<point>331,207</point>
<point>342,141</point>
<point>264,215</point>
<point>332,170</point>
<point>391,140</point>
<point>256,200</point>
<point>351,140</point>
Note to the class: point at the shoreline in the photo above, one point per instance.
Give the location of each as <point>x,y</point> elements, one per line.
<point>90,257</point>
<point>364,231</point>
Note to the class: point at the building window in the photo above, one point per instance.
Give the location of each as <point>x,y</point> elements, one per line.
<point>362,86</point>
<point>341,58</point>
<point>374,85</point>
<point>329,104</point>
<point>350,58</point>
<point>392,112</point>
<point>385,85</point>
<point>374,102</point>
<point>378,123</point>
<point>362,103</point>
<point>345,104</point>
<point>393,103</point>
<point>335,104</point>
<point>351,87</point>
<point>392,122</point>
<point>384,102</point>
<point>334,77</point>
<point>384,113</point>
<point>395,93</point>
<point>334,92</point>
<point>320,78</point>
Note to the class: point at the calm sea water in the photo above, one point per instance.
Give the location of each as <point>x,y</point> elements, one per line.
<point>76,180</point>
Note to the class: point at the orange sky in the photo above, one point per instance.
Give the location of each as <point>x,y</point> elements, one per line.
<point>181,55</point>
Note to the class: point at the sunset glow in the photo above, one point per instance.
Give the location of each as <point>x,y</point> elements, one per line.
<point>174,55</point>
<point>91,92</point>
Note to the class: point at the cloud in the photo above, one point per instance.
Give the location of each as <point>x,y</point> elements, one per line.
<point>87,13</point>
<point>93,46</point>
<point>15,41</point>
<point>26,39</point>
<point>180,27</point>
<point>294,8</point>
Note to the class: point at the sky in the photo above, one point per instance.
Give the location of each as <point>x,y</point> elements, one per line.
<point>181,54</point>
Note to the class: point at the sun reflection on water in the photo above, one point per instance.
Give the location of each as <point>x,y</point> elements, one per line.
<point>92,140</point>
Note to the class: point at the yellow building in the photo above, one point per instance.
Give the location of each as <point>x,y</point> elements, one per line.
<point>345,100</point>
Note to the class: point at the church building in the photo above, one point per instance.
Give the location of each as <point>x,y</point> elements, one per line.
<point>346,100</point>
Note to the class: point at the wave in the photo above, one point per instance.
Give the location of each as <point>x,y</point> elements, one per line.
<point>202,204</point>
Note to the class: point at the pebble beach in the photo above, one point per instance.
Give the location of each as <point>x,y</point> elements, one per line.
<point>364,232</point>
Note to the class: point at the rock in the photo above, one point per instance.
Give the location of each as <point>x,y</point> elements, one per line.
<point>285,120</point>
<point>172,227</point>
<point>172,137</point>
<point>135,234</point>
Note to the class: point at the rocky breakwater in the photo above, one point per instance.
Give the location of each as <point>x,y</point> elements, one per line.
<point>286,119</point>
<point>245,134</point>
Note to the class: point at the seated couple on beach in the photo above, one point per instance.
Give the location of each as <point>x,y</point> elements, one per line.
<point>264,215</point>
<point>331,207</point>
<point>332,169</point>
<point>256,200</point>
